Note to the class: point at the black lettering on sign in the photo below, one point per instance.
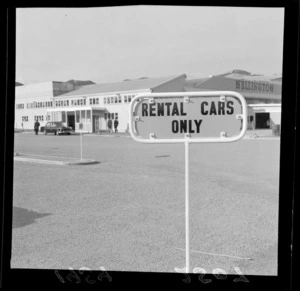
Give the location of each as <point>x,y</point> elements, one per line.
<point>175,126</point>
<point>221,108</point>
<point>191,126</point>
<point>198,123</point>
<point>203,110</point>
<point>183,126</point>
<point>186,126</point>
<point>152,109</point>
<point>168,104</point>
<point>175,110</point>
<point>144,109</point>
<point>182,113</point>
<point>213,109</point>
<point>230,108</point>
<point>160,109</point>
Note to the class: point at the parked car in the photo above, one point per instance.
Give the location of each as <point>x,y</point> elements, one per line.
<point>56,127</point>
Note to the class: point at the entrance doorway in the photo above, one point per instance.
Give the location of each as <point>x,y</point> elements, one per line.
<point>71,120</point>
<point>96,123</point>
<point>262,120</point>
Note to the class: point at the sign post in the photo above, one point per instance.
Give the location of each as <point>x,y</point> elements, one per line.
<point>81,146</point>
<point>188,117</point>
<point>80,128</point>
<point>187,207</point>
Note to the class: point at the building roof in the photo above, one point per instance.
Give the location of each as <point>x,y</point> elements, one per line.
<point>195,82</point>
<point>244,75</point>
<point>126,85</point>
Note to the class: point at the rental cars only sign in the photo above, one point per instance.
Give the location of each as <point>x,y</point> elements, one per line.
<point>198,116</point>
<point>188,117</point>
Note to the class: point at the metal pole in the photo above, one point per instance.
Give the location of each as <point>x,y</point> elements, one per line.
<point>187,214</point>
<point>81,146</point>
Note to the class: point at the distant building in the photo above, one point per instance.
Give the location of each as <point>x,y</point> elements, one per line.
<point>87,107</point>
<point>262,94</point>
<point>32,101</point>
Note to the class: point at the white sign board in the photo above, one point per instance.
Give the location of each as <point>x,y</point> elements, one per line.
<point>219,116</point>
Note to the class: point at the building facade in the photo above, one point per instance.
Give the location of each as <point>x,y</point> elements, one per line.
<point>262,94</point>
<point>33,100</point>
<point>88,108</point>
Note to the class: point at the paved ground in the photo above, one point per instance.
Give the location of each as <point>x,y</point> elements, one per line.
<point>127,212</point>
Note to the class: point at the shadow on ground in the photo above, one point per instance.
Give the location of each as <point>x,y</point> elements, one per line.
<point>23,216</point>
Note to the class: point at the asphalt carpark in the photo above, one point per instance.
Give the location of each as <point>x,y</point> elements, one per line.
<point>127,212</point>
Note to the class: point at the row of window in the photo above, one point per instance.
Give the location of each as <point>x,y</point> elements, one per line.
<point>83,116</point>
<point>76,102</point>
<point>19,106</point>
<point>39,118</point>
<point>45,104</point>
<point>72,102</point>
<point>117,99</point>
<point>36,118</point>
<point>94,101</point>
<point>111,115</point>
<point>112,99</point>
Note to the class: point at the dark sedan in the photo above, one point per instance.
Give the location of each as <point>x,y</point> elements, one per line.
<point>56,127</point>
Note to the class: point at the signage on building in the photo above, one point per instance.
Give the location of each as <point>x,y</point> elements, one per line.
<point>254,86</point>
<point>198,116</point>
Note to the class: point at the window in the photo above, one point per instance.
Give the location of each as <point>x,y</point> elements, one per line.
<point>129,98</point>
<point>104,100</point>
<point>116,99</point>
<point>120,98</point>
<point>88,116</point>
<point>108,100</point>
<point>125,98</point>
<point>108,115</point>
<point>112,100</point>
<point>24,118</point>
<point>116,116</point>
<point>63,116</point>
<point>77,116</point>
<point>97,100</point>
<point>82,116</point>
<point>91,101</point>
<point>105,116</point>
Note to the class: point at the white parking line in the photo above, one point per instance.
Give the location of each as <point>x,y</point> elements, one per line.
<point>213,254</point>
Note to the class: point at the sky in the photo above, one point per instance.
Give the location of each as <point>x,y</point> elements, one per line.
<point>110,44</point>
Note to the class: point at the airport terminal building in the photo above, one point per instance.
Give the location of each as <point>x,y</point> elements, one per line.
<point>87,108</point>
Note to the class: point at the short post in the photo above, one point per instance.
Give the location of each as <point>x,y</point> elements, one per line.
<point>187,213</point>
<point>80,145</point>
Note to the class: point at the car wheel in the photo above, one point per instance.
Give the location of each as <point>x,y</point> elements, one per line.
<point>69,133</point>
